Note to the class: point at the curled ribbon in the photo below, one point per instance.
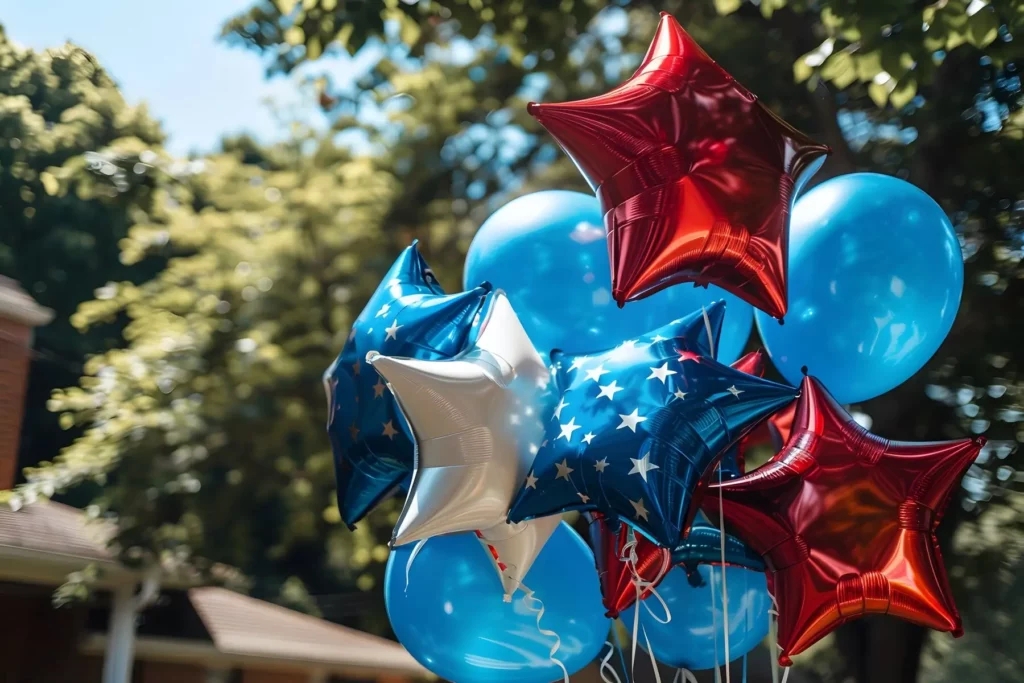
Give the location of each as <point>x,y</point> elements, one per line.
<point>606,666</point>
<point>545,632</point>
<point>412,556</point>
<point>630,557</point>
<point>725,589</point>
<point>684,676</point>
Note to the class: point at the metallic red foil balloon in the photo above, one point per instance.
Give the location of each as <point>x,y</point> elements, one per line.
<point>733,463</point>
<point>608,538</point>
<point>695,175</point>
<point>846,523</point>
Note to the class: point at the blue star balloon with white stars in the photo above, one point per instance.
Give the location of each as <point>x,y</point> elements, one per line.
<point>409,315</point>
<point>639,430</point>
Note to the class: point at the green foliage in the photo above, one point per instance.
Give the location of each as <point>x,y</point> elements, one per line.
<point>74,176</point>
<point>206,430</point>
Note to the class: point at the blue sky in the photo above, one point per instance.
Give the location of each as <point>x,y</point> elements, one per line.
<point>168,54</point>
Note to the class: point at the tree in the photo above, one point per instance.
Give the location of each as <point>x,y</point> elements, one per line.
<point>75,173</point>
<point>926,91</point>
<point>207,428</point>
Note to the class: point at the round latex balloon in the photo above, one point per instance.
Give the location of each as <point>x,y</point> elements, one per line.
<point>694,637</point>
<point>875,277</point>
<point>450,614</point>
<point>549,252</point>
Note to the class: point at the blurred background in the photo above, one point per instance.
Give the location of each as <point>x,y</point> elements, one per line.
<point>204,194</point>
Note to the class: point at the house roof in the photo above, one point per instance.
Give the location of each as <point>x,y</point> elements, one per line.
<point>57,529</point>
<point>248,627</point>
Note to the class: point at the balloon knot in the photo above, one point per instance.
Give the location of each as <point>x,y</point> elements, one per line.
<point>804,370</point>
<point>782,321</point>
<point>371,356</point>
<point>486,286</point>
<point>506,598</point>
<point>532,108</point>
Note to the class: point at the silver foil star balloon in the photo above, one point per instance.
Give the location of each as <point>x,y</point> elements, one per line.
<point>477,423</point>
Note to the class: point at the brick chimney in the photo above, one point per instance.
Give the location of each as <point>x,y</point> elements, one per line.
<point>19,315</point>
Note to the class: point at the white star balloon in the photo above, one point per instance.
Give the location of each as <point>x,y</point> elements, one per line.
<point>477,421</point>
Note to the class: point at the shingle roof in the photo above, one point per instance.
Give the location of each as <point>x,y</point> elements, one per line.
<point>245,626</point>
<point>55,529</point>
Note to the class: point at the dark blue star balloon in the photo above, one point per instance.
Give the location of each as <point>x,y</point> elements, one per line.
<point>409,315</point>
<point>639,430</point>
<point>703,546</point>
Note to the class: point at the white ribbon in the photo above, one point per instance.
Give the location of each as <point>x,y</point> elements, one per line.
<point>606,666</point>
<point>684,676</point>
<point>630,557</point>
<point>412,556</point>
<point>774,638</point>
<point>545,632</point>
<point>711,336</point>
<point>725,588</point>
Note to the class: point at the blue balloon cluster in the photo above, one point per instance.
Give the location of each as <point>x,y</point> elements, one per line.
<point>450,615</point>
<point>694,637</point>
<point>875,277</point>
<point>549,253</point>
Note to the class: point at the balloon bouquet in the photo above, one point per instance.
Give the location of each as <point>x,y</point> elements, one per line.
<point>640,410</point>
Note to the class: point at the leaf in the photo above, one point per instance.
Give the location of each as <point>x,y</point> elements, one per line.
<point>879,93</point>
<point>904,92</point>
<point>768,7</point>
<point>285,7</point>
<point>983,27</point>
<point>840,69</point>
<point>50,183</point>
<point>869,64</point>
<point>295,36</point>
<point>801,70</point>
<point>724,7</point>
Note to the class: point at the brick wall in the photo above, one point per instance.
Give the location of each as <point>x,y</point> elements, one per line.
<point>14,356</point>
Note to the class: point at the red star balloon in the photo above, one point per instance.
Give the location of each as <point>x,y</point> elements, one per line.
<point>733,463</point>
<point>608,538</point>
<point>695,175</point>
<point>846,523</point>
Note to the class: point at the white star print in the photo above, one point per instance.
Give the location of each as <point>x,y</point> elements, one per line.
<point>568,429</point>
<point>661,373</point>
<point>588,437</point>
<point>393,330</point>
<point>624,348</point>
<point>531,481</point>
<point>643,466</point>
<point>563,470</point>
<point>577,363</point>
<point>389,430</point>
<point>609,390</point>
<point>558,409</point>
<point>680,394</point>
<point>640,512</point>
<point>631,420</point>
<point>601,464</point>
<point>596,373</point>
<point>584,498</point>
<point>378,388</point>
<point>734,391</point>
<point>383,310</point>
<point>658,338</point>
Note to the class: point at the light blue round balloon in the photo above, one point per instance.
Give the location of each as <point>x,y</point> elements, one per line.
<point>875,278</point>
<point>452,618</point>
<point>548,251</point>
<point>694,637</point>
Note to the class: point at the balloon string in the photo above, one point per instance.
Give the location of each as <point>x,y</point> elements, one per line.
<point>774,639</point>
<point>725,587</point>
<point>630,557</point>
<point>744,668</point>
<point>614,676</point>
<point>412,556</point>
<point>618,646</point>
<point>711,336</point>
<point>545,632</point>
<point>684,676</point>
<point>714,626</point>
